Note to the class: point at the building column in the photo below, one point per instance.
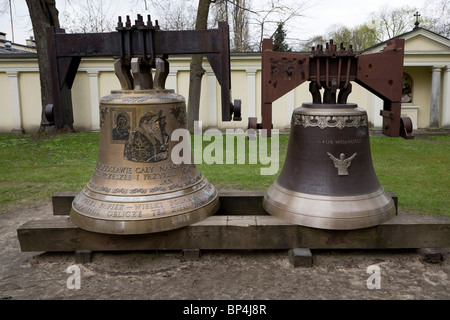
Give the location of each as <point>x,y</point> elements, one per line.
<point>435,102</point>
<point>212,98</point>
<point>446,99</point>
<point>171,82</point>
<point>15,101</point>
<point>377,106</point>
<point>251,92</point>
<point>94,97</point>
<point>290,105</point>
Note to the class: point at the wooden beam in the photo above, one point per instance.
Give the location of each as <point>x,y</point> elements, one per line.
<point>226,232</point>
<point>62,202</point>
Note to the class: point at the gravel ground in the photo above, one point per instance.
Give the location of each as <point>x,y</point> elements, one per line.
<point>216,275</point>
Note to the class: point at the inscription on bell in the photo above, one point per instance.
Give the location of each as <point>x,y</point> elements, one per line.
<point>341,163</point>
<point>340,141</point>
<point>164,177</point>
<point>157,208</point>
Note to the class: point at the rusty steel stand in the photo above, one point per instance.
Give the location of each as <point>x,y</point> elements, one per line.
<point>331,69</point>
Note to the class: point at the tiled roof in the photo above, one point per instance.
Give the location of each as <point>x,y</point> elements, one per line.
<point>3,50</point>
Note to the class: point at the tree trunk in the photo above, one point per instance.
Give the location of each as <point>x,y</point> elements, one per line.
<point>196,69</point>
<point>43,13</point>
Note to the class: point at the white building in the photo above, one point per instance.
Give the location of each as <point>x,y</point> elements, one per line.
<point>426,71</point>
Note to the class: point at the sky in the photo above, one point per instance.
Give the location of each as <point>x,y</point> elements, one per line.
<point>350,13</point>
<point>318,15</point>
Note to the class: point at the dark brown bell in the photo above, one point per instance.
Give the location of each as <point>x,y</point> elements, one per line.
<point>328,180</point>
<point>136,187</point>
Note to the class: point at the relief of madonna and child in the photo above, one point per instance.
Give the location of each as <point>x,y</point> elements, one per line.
<point>149,141</point>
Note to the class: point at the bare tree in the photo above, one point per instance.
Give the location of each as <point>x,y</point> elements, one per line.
<point>196,69</point>
<point>240,26</point>
<point>43,13</point>
<point>236,13</point>
<point>178,16</point>
<point>171,15</point>
<point>270,13</point>
<point>437,17</point>
<point>392,23</point>
<point>360,37</point>
<point>251,22</point>
<point>89,16</point>
<point>4,6</point>
<point>388,23</point>
<point>313,42</point>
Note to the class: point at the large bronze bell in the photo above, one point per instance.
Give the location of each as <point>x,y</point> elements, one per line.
<point>328,180</point>
<point>136,188</point>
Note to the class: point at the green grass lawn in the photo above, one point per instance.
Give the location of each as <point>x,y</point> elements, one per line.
<point>33,168</point>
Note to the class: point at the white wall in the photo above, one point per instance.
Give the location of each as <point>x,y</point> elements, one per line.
<point>20,93</point>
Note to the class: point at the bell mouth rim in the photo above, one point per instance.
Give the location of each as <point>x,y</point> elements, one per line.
<point>142,219</point>
<point>330,212</point>
<point>318,197</point>
<point>214,198</point>
<point>145,225</point>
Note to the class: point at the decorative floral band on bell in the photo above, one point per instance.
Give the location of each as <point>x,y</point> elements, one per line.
<point>323,122</point>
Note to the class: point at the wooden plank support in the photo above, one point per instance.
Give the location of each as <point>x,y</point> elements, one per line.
<point>62,202</point>
<point>227,232</point>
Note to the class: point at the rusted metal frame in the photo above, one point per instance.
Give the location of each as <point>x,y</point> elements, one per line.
<point>319,85</point>
<point>214,43</point>
<point>142,35</point>
<point>146,59</point>
<point>266,107</point>
<point>315,92</point>
<point>330,88</point>
<point>122,65</point>
<point>165,42</point>
<point>406,128</point>
<point>339,70</point>
<point>63,73</point>
<point>128,34</point>
<point>220,63</point>
<point>161,74</point>
<point>347,75</point>
<point>345,90</point>
<point>281,72</point>
<point>64,67</point>
<point>331,79</point>
<point>382,73</point>
<point>68,49</point>
<point>391,114</point>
